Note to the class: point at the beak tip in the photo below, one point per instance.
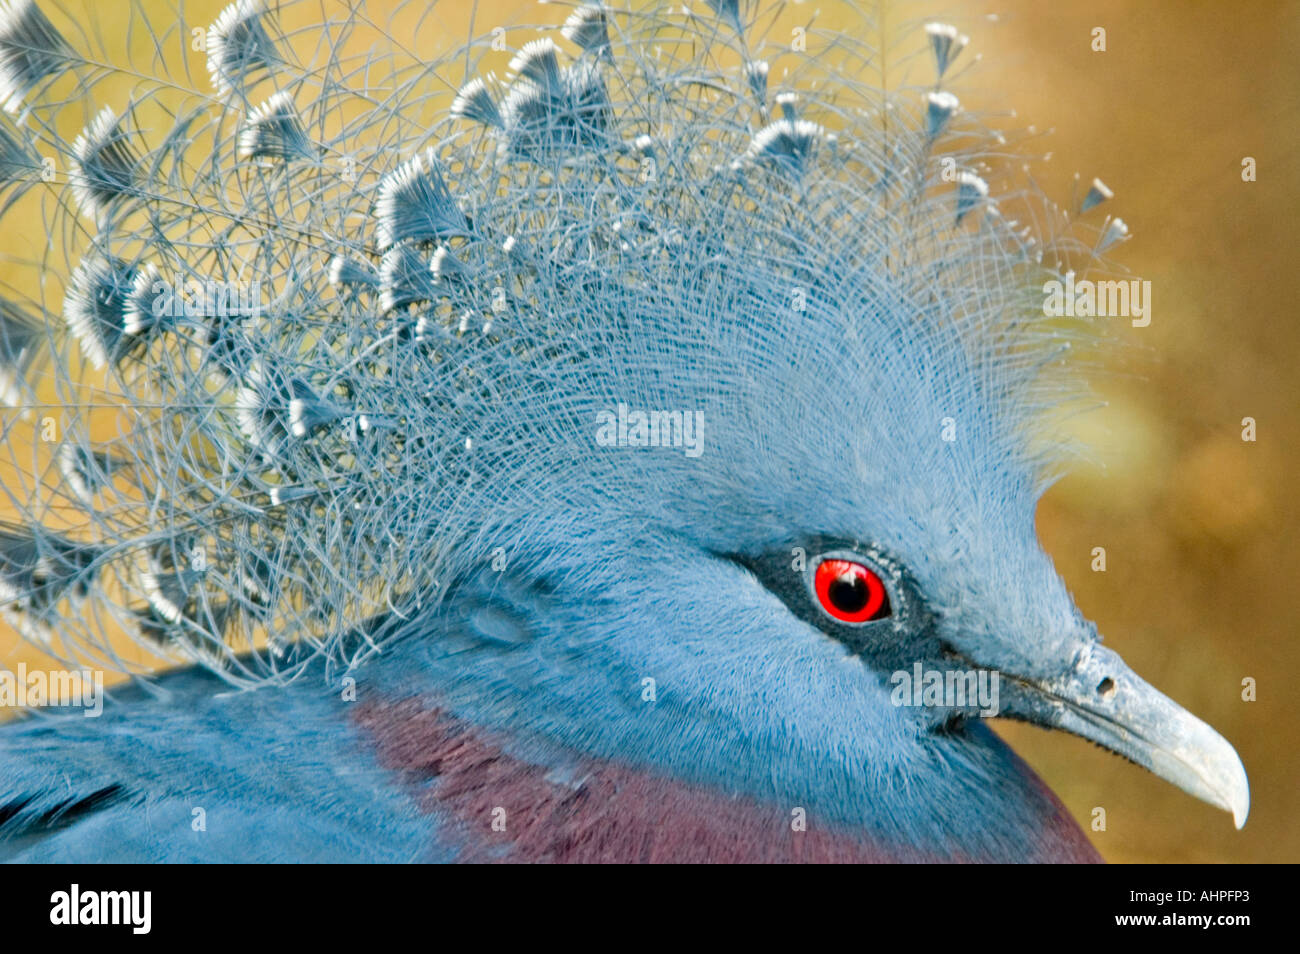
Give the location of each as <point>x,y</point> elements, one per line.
<point>1226,784</point>
<point>1234,787</point>
<point>1240,801</point>
<point>1217,772</point>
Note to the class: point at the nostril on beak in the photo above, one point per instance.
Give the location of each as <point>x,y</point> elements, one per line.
<point>1106,688</point>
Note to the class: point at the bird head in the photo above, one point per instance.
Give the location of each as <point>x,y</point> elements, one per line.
<point>789,467</point>
<point>753,528</point>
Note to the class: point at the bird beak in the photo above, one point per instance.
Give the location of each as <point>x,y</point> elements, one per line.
<point>1102,700</point>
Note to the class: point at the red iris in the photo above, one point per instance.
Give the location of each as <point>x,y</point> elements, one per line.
<point>851,592</point>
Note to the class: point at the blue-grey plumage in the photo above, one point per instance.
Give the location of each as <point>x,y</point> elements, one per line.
<point>129,786</point>
<point>407,494</point>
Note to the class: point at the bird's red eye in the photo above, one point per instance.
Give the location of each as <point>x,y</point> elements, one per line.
<point>851,592</point>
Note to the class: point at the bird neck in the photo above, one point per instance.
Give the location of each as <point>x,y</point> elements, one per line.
<point>500,795</point>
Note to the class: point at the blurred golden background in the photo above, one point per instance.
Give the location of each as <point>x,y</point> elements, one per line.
<point>1200,528</point>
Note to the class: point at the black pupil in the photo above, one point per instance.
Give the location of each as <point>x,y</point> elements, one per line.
<point>849,593</point>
